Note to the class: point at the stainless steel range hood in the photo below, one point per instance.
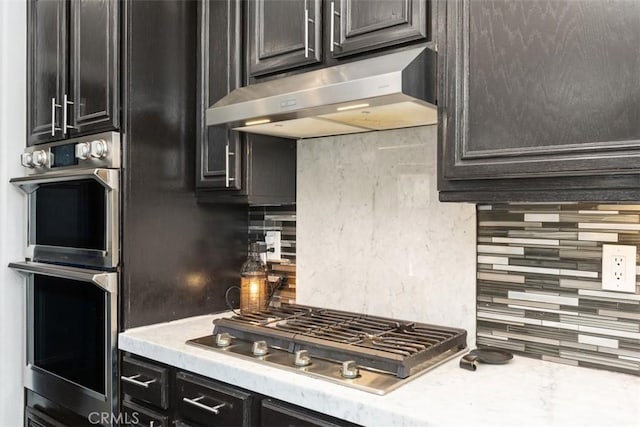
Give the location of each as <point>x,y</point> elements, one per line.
<point>386,92</point>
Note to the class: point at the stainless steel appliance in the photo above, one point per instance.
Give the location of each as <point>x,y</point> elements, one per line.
<point>71,336</point>
<point>390,91</point>
<point>71,265</point>
<point>73,193</point>
<point>374,354</point>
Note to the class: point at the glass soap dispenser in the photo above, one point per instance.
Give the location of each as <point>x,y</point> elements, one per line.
<point>253,282</point>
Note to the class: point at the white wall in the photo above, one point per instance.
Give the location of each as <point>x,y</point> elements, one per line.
<point>12,226</point>
<point>372,236</point>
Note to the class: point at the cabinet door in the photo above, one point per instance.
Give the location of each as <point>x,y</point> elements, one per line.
<point>539,89</point>
<point>276,414</point>
<point>220,57</point>
<point>203,402</point>
<point>362,25</point>
<point>46,69</point>
<point>283,34</point>
<point>36,418</point>
<point>134,414</point>
<point>93,101</point>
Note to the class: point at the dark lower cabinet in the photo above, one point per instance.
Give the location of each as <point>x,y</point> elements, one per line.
<point>538,100</point>
<point>146,382</point>
<point>207,403</point>
<point>196,401</point>
<point>134,414</point>
<point>277,414</point>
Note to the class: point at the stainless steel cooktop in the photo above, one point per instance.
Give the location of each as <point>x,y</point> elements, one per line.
<point>370,353</point>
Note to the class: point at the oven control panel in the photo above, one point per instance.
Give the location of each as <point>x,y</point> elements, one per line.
<point>94,151</point>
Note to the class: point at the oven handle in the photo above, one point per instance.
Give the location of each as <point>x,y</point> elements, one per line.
<point>106,280</point>
<point>107,177</point>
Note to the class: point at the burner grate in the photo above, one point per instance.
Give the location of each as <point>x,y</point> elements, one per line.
<point>373,342</point>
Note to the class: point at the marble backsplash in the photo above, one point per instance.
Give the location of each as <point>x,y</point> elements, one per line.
<point>372,236</point>
<point>539,283</point>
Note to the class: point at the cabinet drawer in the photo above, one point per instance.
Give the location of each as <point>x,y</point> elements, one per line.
<point>138,415</point>
<point>145,381</point>
<point>207,403</point>
<point>35,418</point>
<point>277,414</point>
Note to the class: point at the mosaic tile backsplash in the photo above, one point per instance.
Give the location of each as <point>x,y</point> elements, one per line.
<point>539,284</point>
<point>278,218</point>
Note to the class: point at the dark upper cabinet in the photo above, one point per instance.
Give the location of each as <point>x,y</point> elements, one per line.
<point>219,67</point>
<point>72,68</point>
<point>362,25</point>
<point>93,104</point>
<point>239,167</point>
<point>538,100</point>
<point>283,34</point>
<point>46,69</point>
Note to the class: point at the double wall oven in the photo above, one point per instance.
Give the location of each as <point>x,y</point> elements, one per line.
<point>71,268</point>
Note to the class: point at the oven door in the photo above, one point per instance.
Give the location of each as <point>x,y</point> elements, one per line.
<point>71,336</point>
<point>73,217</point>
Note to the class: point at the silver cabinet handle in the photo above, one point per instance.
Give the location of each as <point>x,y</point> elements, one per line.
<point>306,33</point>
<point>54,105</point>
<point>334,13</point>
<point>307,21</point>
<point>134,381</point>
<point>227,153</point>
<point>65,106</point>
<point>196,402</point>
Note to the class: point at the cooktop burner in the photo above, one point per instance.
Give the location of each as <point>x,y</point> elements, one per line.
<point>371,353</point>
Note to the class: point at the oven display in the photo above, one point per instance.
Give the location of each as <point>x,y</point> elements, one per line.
<point>64,155</point>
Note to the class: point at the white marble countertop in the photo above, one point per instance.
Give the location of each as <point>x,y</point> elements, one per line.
<point>525,392</point>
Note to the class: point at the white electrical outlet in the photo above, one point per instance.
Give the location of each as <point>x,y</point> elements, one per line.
<point>272,239</point>
<point>619,268</point>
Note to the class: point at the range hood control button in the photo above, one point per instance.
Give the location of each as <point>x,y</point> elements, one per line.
<point>99,149</point>
<point>350,369</point>
<point>83,150</point>
<point>302,358</point>
<point>223,339</point>
<point>260,348</point>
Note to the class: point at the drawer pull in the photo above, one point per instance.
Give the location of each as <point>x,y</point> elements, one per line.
<point>133,380</point>
<point>196,402</point>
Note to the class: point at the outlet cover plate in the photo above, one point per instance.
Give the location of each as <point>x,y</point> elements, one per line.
<point>273,240</point>
<point>619,268</point>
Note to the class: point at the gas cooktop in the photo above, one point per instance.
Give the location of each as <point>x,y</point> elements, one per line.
<point>371,353</point>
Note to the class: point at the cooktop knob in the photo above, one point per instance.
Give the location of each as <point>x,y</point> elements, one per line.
<point>83,150</point>
<point>302,358</point>
<point>260,348</point>
<point>99,149</point>
<point>223,339</point>
<point>39,158</point>
<point>350,369</point>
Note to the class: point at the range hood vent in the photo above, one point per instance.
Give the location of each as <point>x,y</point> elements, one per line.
<point>391,91</point>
